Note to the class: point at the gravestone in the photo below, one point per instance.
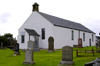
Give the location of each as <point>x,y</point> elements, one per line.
<point>29,57</point>
<point>17,49</point>
<point>80,43</point>
<point>31,45</point>
<point>1,45</point>
<point>51,44</point>
<point>93,63</point>
<point>97,62</point>
<point>98,47</point>
<point>67,56</point>
<point>36,44</point>
<point>14,45</point>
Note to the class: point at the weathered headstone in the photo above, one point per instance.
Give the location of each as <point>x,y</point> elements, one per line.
<point>97,62</point>
<point>94,63</point>
<point>17,49</point>
<point>80,43</point>
<point>36,44</point>
<point>14,45</point>
<point>31,45</point>
<point>51,44</point>
<point>67,56</point>
<point>29,57</point>
<point>1,45</point>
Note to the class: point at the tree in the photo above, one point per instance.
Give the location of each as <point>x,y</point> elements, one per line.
<point>3,40</point>
<point>8,35</point>
<point>9,38</point>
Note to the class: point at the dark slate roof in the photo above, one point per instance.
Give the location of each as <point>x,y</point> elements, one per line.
<point>32,32</point>
<point>65,23</point>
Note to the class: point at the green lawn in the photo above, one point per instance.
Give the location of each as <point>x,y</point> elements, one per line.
<point>43,58</point>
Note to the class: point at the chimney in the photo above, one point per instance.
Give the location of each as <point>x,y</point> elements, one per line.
<point>35,7</point>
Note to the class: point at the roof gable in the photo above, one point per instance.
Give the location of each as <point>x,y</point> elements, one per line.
<point>65,23</point>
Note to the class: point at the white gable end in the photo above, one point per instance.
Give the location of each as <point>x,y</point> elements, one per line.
<point>36,22</point>
<point>35,19</point>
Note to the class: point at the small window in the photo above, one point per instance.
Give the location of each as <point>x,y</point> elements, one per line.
<point>72,35</point>
<point>92,37</point>
<point>83,36</point>
<point>22,38</point>
<point>43,33</point>
<point>34,7</point>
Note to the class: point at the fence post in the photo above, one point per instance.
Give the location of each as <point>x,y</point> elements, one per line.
<point>93,51</point>
<point>85,51</point>
<point>77,53</point>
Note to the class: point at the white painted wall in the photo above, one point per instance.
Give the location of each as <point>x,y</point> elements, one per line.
<point>63,37</point>
<point>36,22</point>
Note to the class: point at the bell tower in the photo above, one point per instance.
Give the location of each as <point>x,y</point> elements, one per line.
<point>35,7</point>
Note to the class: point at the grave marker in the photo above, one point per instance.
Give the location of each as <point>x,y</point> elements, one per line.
<point>29,57</point>
<point>17,49</point>
<point>31,45</point>
<point>51,44</point>
<point>67,56</point>
<point>36,44</point>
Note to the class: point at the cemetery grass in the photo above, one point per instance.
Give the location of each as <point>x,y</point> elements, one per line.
<point>43,58</point>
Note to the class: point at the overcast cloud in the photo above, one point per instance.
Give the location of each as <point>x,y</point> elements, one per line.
<point>5,17</point>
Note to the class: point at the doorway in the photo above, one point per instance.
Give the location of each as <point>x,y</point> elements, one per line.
<point>90,42</point>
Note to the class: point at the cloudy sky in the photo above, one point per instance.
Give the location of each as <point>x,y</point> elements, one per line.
<point>13,13</point>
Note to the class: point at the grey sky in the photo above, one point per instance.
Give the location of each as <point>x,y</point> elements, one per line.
<point>13,13</point>
<point>4,17</point>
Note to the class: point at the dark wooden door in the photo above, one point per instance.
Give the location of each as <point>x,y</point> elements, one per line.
<point>90,42</point>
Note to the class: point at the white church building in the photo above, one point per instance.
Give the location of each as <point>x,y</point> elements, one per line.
<point>41,26</point>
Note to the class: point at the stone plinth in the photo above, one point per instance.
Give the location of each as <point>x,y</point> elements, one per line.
<point>66,63</point>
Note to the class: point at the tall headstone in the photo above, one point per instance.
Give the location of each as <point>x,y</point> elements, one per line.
<point>14,45</point>
<point>29,57</point>
<point>31,45</point>
<point>51,44</point>
<point>17,49</point>
<point>67,56</point>
<point>80,43</point>
<point>36,44</point>
<point>1,45</point>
